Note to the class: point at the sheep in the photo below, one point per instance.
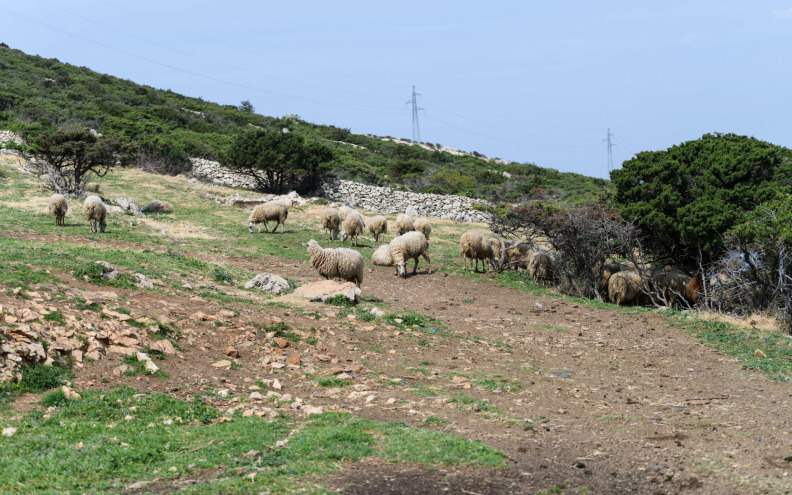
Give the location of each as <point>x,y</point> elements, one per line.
<point>606,272</point>
<point>496,247</point>
<point>274,210</point>
<point>423,225</point>
<point>406,247</point>
<point>695,288</point>
<point>58,207</point>
<point>670,284</point>
<point>343,212</point>
<point>627,287</point>
<point>475,246</point>
<point>343,263</point>
<point>541,266</point>
<point>96,213</point>
<point>382,256</point>
<point>517,255</point>
<point>331,221</point>
<point>404,224</point>
<point>352,227</point>
<point>377,225</point>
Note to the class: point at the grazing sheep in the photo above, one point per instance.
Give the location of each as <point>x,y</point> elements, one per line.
<point>626,287</point>
<point>377,225</point>
<point>343,263</point>
<point>476,247</point>
<point>343,212</point>
<point>496,247</point>
<point>58,207</point>
<point>382,256</point>
<point>404,224</point>
<point>274,210</point>
<point>695,288</point>
<point>331,221</point>
<point>409,246</point>
<point>157,206</point>
<point>423,225</point>
<point>606,272</point>
<point>96,213</point>
<point>671,283</point>
<point>518,255</point>
<point>352,227</point>
<point>541,266</point>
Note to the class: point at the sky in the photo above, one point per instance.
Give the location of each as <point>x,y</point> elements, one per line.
<point>527,81</point>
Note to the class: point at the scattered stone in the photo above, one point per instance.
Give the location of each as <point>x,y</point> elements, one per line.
<point>9,432</point>
<point>223,363</point>
<point>268,282</point>
<point>151,367</point>
<point>231,352</point>
<point>329,288</point>
<point>759,353</point>
<point>69,393</point>
<point>163,346</point>
<point>109,272</point>
<point>142,281</point>
<point>293,360</point>
<point>281,342</point>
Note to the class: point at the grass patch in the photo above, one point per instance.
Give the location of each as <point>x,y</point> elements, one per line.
<point>55,317</point>
<point>329,382</point>
<point>281,330</point>
<point>339,300</point>
<point>35,379</point>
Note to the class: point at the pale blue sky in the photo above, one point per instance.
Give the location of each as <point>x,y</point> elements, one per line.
<point>528,81</point>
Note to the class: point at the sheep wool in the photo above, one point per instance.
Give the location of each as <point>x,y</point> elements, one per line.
<point>382,256</point>
<point>377,225</point>
<point>352,227</point>
<point>626,287</point>
<point>346,264</point>
<point>343,212</point>
<point>409,246</point>
<point>476,246</point>
<point>96,213</point>
<point>274,210</point>
<point>423,225</point>
<point>58,207</point>
<point>404,224</point>
<point>331,221</point>
<point>541,266</point>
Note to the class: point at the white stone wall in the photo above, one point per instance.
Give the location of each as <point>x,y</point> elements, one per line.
<point>372,198</point>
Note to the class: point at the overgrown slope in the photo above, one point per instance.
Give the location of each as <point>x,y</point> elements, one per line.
<point>37,93</point>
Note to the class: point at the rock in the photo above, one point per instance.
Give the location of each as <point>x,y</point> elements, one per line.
<point>329,288</point>
<point>151,367</point>
<point>142,281</point>
<point>223,363</point>
<point>256,396</point>
<point>129,205</point>
<point>411,211</point>
<point>281,342</point>
<point>231,352</point>
<point>142,356</point>
<point>310,410</point>
<point>124,368</point>
<point>109,272</point>
<point>163,346</point>
<point>9,432</point>
<point>69,393</point>
<point>157,206</point>
<point>268,282</point>
<point>377,312</point>
<point>293,360</point>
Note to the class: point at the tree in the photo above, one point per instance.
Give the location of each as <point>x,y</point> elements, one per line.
<point>246,106</point>
<point>278,161</point>
<point>68,157</point>
<point>686,198</point>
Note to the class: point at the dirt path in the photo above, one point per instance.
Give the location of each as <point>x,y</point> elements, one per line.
<point>584,398</point>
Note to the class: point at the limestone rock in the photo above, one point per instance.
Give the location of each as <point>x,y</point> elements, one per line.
<point>163,346</point>
<point>142,281</point>
<point>268,282</point>
<point>328,288</point>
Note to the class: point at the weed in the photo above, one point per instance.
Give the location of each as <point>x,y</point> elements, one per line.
<point>222,276</point>
<point>339,300</point>
<point>281,330</point>
<point>329,382</point>
<point>55,317</point>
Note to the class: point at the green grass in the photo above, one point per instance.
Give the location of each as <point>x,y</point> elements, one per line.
<point>330,382</point>
<point>35,379</point>
<point>90,445</point>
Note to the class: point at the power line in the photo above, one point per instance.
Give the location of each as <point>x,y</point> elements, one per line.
<point>610,150</point>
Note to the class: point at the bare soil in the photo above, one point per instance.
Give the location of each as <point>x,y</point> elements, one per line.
<point>580,399</point>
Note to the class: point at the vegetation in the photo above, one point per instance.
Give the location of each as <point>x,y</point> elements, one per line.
<point>38,95</point>
<point>688,197</point>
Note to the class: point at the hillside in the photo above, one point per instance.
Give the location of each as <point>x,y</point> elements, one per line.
<point>168,128</point>
<point>444,382</point>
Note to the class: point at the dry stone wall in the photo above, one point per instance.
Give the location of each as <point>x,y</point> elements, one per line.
<point>356,195</point>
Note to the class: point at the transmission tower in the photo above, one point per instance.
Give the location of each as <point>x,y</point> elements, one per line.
<point>416,129</point>
<point>610,150</point>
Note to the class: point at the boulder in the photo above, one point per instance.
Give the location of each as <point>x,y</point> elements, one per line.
<point>328,288</point>
<point>142,281</point>
<point>157,206</point>
<point>268,282</point>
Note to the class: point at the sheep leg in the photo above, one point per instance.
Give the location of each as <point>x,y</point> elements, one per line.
<point>428,262</point>
<point>265,226</point>
<point>415,268</point>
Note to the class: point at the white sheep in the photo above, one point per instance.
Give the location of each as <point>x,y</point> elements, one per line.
<point>352,227</point>
<point>423,225</point>
<point>58,207</point>
<point>331,221</point>
<point>477,247</point>
<point>404,224</point>
<point>96,213</point>
<point>344,211</point>
<point>377,225</point>
<point>382,256</point>
<point>343,263</point>
<point>274,210</point>
<point>541,266</point>
<point>409,246</point>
